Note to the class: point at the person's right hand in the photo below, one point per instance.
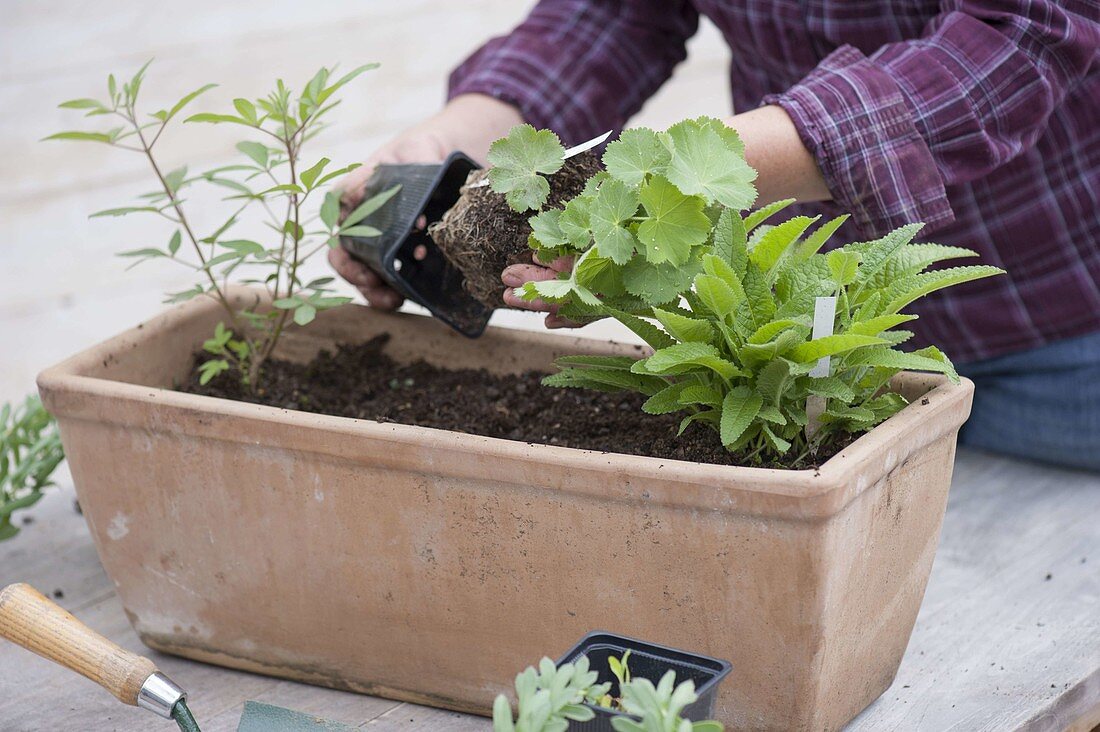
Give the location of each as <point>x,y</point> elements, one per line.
<point>416,145</point>
<point>469,123</point>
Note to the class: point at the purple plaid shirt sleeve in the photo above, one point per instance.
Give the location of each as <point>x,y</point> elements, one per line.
<point>978,117</point>
<point>581,67</point>
<point>891,130</point>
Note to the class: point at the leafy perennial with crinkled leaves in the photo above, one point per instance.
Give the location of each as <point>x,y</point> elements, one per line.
<point>725,300</point>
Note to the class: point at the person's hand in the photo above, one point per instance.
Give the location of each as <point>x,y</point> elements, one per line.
<point>413,146</point>
<point>469,123</point>
<point>518,274</point>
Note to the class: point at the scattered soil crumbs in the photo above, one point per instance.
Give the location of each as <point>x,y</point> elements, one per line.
<point>362,382</point>
<point>481,234</point>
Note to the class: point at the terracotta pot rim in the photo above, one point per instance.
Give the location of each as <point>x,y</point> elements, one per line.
<point>71,390</point>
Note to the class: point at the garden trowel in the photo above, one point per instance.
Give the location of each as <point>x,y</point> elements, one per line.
<point>405,256</point>
<point>29,619</point>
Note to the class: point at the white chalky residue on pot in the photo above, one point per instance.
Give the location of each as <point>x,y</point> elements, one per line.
<point>146,620</point>
<point>119,526</point>
<point>318,495</point>
<point>143,441</point>
<point>170,578</point>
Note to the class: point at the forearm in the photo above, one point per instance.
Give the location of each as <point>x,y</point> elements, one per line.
<point>785,168</point>
<point>473,121</point>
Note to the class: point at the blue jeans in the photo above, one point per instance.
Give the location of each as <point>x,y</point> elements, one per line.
<point>1042,404</point>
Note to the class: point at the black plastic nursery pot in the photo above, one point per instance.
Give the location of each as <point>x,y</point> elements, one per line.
<point>404,255</point>
<point>647,661</point>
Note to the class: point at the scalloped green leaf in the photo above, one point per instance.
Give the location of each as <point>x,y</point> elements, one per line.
<point>520,161</point>
<point>546,229</point>
<point>658,284</point>
<point>609,217</point>
<point>665,401</point>
<point>703,164</point>
<point>636,154</point>
<point>674,222</point>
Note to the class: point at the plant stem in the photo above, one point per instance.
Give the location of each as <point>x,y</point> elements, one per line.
<point>148,150</point>
<point>293,203</point>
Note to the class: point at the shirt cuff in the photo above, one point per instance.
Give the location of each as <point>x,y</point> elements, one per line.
<point>855,120</point>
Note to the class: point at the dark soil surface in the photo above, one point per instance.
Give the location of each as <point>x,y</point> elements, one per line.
<point>362,382</point>
<point>481,234</point>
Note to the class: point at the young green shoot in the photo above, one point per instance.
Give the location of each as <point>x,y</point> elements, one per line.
<point>275,177</point>
<point>30,451</point>
<point>550,697</point>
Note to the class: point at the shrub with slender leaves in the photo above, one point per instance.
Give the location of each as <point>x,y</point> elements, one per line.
<point>30,451</point>
<point>273,177</point>
<point>660,242</point>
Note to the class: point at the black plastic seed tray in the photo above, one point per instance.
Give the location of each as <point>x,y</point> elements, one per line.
<point>647,661</point>
<point>404,255</point>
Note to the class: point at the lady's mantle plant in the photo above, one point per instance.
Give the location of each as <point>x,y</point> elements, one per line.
<point>550,697</point>
<point>274,177</point>
<point>30,451</point>
<point>726,301</point>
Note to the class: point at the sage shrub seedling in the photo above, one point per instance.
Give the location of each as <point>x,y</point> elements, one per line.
<point>549,698</point>
<point>274,176</point>
<point>30,451</point>
<point>725,299</point>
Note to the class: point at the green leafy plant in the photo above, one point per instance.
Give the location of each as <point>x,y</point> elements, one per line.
<point>659,242</point>
<point>547,699</point>
<point>659,707</point>
<point>620,669</point>
<point>30,451</point>
<point>274,177</point>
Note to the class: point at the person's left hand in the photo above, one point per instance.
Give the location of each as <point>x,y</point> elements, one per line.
<point>518,274</point>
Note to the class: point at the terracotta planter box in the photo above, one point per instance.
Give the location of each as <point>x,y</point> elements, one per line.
<point>431,566</point>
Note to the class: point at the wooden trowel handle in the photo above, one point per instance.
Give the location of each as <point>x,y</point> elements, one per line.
<point>29,619</point>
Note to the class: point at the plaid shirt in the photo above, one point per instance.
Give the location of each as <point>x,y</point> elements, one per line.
<point>979,117</point>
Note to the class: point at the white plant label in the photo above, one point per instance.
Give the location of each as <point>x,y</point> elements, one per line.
<point>575,150</point>
<point>585,146</point>
<point>824,317</point>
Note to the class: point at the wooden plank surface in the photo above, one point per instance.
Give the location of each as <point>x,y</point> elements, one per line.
<point>1008,637</point>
